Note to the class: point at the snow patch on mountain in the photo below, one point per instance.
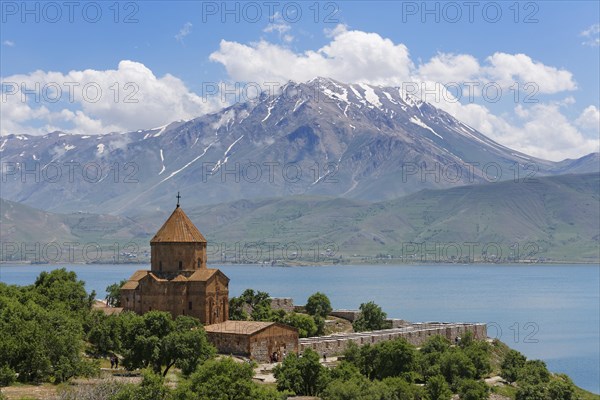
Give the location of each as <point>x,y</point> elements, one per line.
<point>417,121</point>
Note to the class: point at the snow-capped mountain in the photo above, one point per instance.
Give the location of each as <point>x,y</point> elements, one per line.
<point>321,137</point>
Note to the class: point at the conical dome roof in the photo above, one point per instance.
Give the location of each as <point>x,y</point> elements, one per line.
<point>177,229</point>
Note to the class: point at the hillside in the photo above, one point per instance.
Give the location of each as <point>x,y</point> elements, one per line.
<point>552,218</point>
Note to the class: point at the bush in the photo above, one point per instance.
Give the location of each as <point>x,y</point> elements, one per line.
<point>303,375</point>
<point>470,389</point>
<point>511,365</point>
<point>371,318</point>
<point>437,388</point>
<point>455,366</point>
<point>7,375</point>
<point>318,305</point>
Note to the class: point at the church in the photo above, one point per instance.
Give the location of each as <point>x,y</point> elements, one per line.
<point>179,281</point>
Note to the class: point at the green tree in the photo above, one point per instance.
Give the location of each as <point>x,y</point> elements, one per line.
<point>479,354</point>
<point>113,294</point>
<point>532,392</point>
<point>512,364</point>
<point>371,318</point>
<point>437,388</point>
<point>534,372</point>
<point>60,288</point>
<point>152,387</point>
<point>304,323</point>
<point>400,389</point>
<point>104,331</point>
<point>470,389</point>
<point>430,354</point>
<point>154,340</point>
<point>223,379</point>
<point>302,375</point>
<point>455,365</point>
<point>561,388</point>
<point>318,305</point>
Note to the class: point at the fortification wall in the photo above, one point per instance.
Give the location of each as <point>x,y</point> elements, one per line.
<point>415,334</point>
<point>350,315</point>
<point>282,303</point>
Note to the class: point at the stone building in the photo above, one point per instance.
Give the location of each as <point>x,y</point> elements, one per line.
<point>179,281</point>
<point>254,339</point>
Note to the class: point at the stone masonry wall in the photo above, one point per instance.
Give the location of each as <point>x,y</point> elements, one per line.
<point>282,303</point>
<point>350,315</point>
<point>415,334</point>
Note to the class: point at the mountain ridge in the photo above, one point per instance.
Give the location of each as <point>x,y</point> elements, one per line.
<point>552,219</point>
<point>317,138</point>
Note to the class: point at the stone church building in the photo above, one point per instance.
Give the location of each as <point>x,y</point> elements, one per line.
<point>179,281</point>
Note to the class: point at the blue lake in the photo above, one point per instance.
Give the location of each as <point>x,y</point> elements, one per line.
<point>547,312</point>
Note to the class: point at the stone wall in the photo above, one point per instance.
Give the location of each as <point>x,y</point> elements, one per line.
<point>415,334</point>
<point>350,315</point>
<point>282,303</point>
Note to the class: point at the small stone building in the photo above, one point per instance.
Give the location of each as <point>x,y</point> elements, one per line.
<point>253,339</point>
<point>179,281</point>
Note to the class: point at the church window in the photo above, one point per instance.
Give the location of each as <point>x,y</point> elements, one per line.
<point>160,265</point>
<point>180,265</point>
<point>190,305</point>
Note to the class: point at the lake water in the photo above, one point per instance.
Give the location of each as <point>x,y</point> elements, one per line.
<point>547,312</point>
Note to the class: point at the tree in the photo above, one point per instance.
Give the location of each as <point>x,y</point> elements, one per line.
<point>430,354</point>
<point>534,372</point>
<point>318,305</point>
<point>154,340</point>
<point>532,392</point>
<point>113,294</point>
<point>60,288</point>
<point>42,337</point>
<point>470,389</point>
<point>151,388</point>
<point>371,318</point>
<point>104,331</point>
<point>303,375</point>
<point>455,365</point>
<point>437,388</point>
<point>512,364</point>
<point>304,323</point>
<point>479,354</point>
<point>561,388</point>
<point>223,379</point>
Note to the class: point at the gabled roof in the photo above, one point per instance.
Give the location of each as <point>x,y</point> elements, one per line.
<point>242,327</point>
<point>130,285</point>
<point>204,274</point>
<point>178,228</point>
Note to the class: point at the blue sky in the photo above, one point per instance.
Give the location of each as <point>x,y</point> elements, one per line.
<point>553,44</point>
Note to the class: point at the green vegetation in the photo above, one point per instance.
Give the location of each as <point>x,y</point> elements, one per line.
<point>318,305</point>
<point>557,220</point>
<point>371,318</point>
<point>113,294</point>
<point>256,306</point>
<point>52,334</point>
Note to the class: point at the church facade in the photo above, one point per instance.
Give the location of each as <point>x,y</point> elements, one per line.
<point>179,281</point>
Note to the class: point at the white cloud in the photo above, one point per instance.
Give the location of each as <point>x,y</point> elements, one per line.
<point>352,56</point>
<point>185,30</point>
<point>355,56</point>
<point>507,69</point>
<point>590,119</point>
<point>130,98</point>
<point>591,35</point>
<point>9,43</point>
<point>500,68</point>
